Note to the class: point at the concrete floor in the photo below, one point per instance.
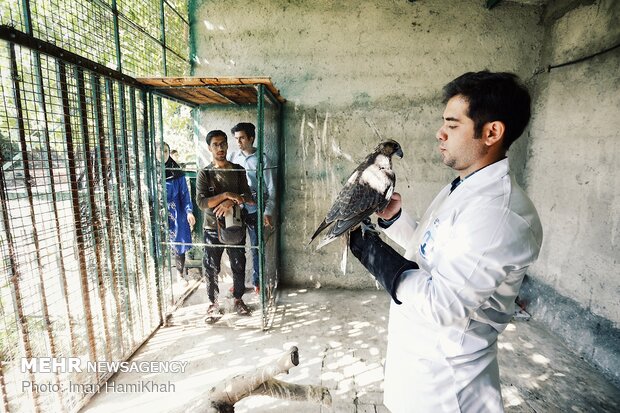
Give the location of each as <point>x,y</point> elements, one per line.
<point>341,339</point>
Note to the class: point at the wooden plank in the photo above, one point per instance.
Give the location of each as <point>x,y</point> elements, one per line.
<point>239,95</point>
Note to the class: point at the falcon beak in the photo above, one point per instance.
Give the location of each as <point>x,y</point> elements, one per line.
<point>399,152</point>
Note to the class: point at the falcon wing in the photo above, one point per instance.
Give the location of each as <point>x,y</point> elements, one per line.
<point>354,203</point>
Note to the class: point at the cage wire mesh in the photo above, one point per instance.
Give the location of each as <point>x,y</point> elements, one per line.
<point>85,28</point>
<point>78,270</point>
<point>131,36</point>
<point>78,274</point>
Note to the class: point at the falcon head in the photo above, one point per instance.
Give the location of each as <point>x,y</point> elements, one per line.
<point>389,148</point>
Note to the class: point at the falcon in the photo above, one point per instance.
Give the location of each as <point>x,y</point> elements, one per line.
<point>368,189</point>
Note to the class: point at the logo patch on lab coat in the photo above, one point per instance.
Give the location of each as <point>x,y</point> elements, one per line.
<point>428,241</point>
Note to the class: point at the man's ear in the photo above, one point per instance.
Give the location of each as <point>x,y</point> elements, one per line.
<point>493,132</point>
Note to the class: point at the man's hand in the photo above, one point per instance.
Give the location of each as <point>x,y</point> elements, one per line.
<point>381,260</point>
<point>191,219</point>
<point>392,208</point>
<point>236,198</point>
<point>223,208</point>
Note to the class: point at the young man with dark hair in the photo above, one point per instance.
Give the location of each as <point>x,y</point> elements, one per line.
<point>246,156</point>
<point>454,290</point>
<point>221,186</point>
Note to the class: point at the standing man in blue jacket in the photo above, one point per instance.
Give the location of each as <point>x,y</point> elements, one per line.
<point>453,291</point>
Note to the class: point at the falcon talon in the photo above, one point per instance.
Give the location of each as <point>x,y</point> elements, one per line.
<point>368,228</point>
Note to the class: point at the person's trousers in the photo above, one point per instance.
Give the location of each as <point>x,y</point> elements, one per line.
<point>211,264</point>
<point>252,223</point>
<point>180,264</point>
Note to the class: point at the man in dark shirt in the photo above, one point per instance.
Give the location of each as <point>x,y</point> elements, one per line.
<point>220,187</point>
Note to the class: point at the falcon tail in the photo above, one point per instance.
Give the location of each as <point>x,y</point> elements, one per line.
<point>326,240</point>
<point>318,231</point>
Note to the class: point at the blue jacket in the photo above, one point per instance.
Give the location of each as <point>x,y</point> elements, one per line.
<point>179,205</point>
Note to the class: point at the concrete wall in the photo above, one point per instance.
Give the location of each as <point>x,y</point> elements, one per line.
<point>573,178</point>
<point>354,71</point>
<point>573,173</point>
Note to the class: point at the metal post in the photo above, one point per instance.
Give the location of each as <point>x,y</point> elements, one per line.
<point>133,276</point>
<point>143,234</point>
<point>153,188</point>
<point>27,16</point>
<point>280,186</point>
<point>148,203</point>
<point>105,169</point>
<point>117,38</point>
<point>163,35</point>
<point>89,174</point>
<point>164,195</point>
<point>259,195</point>
<point>40,96</point>
<point>22,322</point>
<point>79,234</point>
<point>115,167</point>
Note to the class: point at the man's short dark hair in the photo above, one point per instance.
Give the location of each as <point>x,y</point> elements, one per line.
<point>215,133</point>
<point>246,127</point>
<point>493,97</point>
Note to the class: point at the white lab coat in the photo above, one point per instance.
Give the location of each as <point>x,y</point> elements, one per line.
<point>473,247</point>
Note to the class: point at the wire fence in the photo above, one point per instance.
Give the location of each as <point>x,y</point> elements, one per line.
<point>80,268</point>
<point>135,37</point>
<point>78,275</point>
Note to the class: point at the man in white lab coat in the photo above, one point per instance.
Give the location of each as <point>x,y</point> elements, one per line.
<point>454,290</point>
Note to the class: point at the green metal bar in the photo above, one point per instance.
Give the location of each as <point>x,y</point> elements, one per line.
<point>115,167</point>
<point>259,195</point>
<point>153,187</point>
<point>94,217</point>
<point>146,209</point>
<point>133,275</point>
<point>53,193</point>
<point>22,321</point>
<point>79,234</point>
<point>273,99</point>
<point>27,16</point>
<point>164,195</point>
<point>117,38</point>
<point>162,16</point>
<point>110,237</point>
<point>40,98</point>
<point>138,197</point>
<point>280,188</point>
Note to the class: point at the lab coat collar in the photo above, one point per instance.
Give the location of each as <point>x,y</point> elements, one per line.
<point>489,173</point>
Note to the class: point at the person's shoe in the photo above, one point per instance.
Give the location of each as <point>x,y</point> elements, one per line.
<point>241,308</point>
<point>213,313</point>
<point>257,290</point>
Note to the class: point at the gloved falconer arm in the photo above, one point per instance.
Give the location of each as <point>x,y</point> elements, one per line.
<point>381,260</point>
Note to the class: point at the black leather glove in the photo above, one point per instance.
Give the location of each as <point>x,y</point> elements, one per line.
<point>383,262</point>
